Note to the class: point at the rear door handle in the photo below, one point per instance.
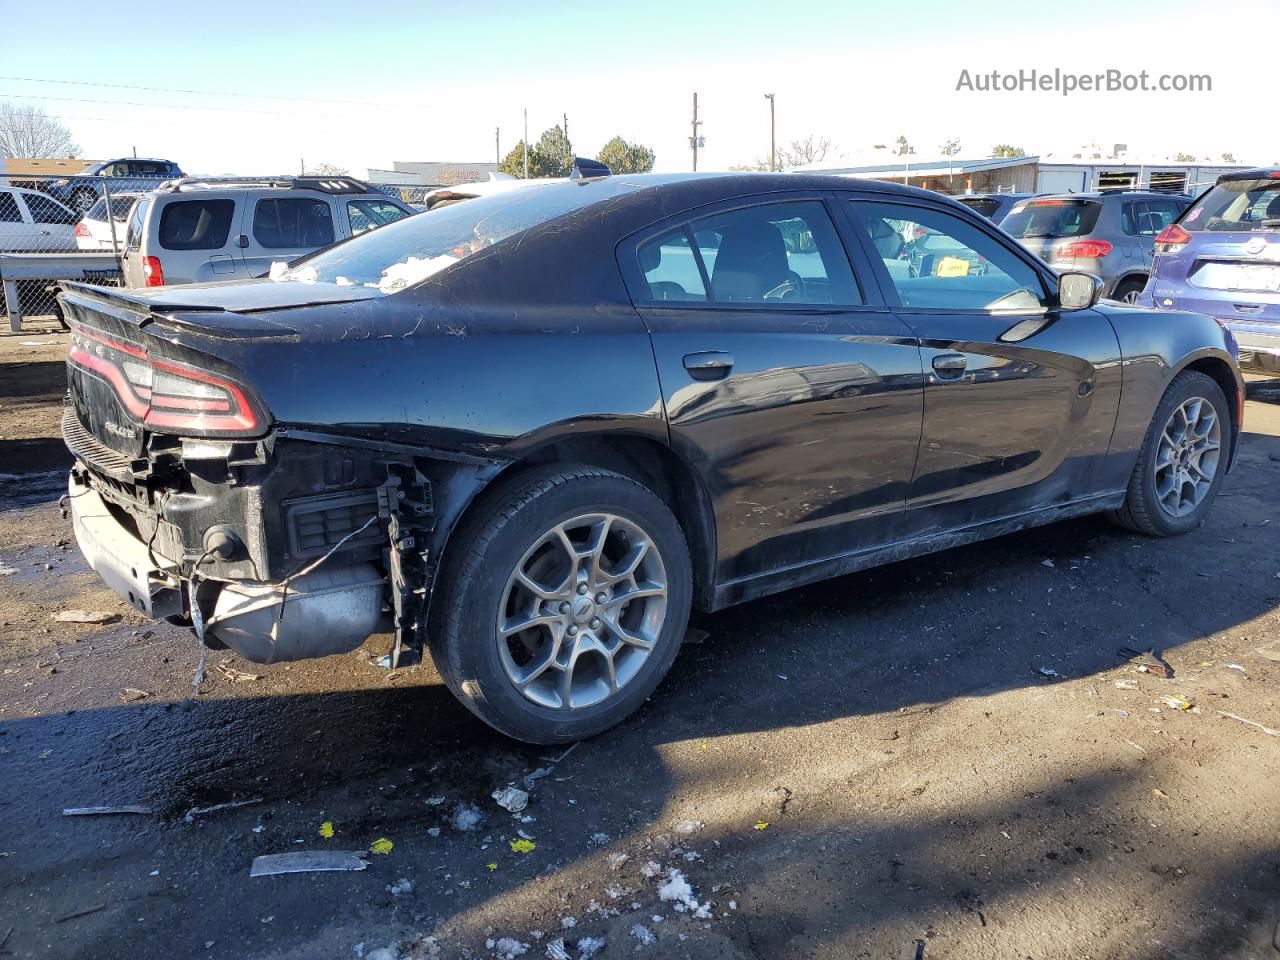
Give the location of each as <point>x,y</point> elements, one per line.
<point>709,364</point>
<point>950,366</point>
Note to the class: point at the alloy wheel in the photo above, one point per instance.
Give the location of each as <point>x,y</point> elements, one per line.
<point>1187,457</point>
<point>582,611</point>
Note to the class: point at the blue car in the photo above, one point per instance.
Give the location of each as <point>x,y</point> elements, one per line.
<point>1222,258</point>
<point>136,174</point>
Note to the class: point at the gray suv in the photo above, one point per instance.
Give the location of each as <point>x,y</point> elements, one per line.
<point>1109,234</point>
<point>197,230</point>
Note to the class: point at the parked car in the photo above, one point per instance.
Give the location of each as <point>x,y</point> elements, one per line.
<point>522,432</point>
<point>190,231</point>
<point>94,231</point>
<point>31,222</point>
<point>994,206</point>
<point>130,174</point>
<point>1222,257</point>
<point>1108,233</point>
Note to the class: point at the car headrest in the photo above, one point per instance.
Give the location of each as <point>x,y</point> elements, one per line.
<point>650,256</point>
<point>751,261</point>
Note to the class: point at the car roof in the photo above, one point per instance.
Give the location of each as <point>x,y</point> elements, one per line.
<point>1256,173</point>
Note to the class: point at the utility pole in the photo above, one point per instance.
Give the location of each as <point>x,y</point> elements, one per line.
<point>302,167</point>
<point>526,143</point>
<point>695,141</point>
<point>773,144</point>
<point>497,145</point>
<point>568,150</point>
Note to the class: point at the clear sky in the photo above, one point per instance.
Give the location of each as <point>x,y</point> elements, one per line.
<point>361,85</point>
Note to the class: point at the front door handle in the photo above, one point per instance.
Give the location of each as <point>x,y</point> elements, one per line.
<point>950,366</point>
<point>709,364</point>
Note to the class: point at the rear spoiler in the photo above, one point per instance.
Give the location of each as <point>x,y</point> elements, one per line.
<point>140,310</point>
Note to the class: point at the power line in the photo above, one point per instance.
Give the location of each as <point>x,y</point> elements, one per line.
<point>169,106</point>
<point>203,93</point>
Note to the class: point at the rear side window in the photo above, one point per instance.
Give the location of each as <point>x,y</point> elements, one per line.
<point>133,233</point>
<point>671,269</point>
<point>44,210</point>
<point>9,209</point>
<point>195,224</point>
<point>1237,205</point>
<point>283,222</point>
<point>1050,219</point>
<point>1146,218</point>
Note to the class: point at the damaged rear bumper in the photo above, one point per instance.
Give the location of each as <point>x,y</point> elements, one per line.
<point>331,610</point>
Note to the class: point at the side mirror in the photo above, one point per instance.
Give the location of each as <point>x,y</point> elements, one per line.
<point>1078,291</point>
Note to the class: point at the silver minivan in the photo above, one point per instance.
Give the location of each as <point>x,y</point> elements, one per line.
<point>197,230</point>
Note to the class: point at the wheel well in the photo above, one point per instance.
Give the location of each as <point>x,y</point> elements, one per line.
<point>1220,372</point>
<point>646,461</point>
<point>1140,277</point>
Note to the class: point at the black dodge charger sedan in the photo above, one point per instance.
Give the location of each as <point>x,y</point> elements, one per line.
<point>530,431</point>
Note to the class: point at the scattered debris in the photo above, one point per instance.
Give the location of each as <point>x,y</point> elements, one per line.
<point>1049,672</point>
<point>382,846</point>
<point>433,831</point>
<point>100,811</point>
<point>466,817</point>
<point>1160,794</point>
<point>198,811</point>
<point>761,825</point>
<point>509,948</point>
<point>1147,661</point>
<point>1236,666</point>
<point>568,923</point>
<point>1269,731</point>
<point>599,839</point>
<point>401,887</point>
<point>530,778</point>
<point>5,939</point>
<point>326,829</point>
<point>511,799</point>
<point>616,860</point>
<point>1136,746</point>
<point>588,947</point>
<point>687,827</point>
<point>434,801</point>
<point>1177,703</point>
<point>1126,684</point>
<point>643,934</point>
<point>82,913</point>
<point>556,760</point>
<point>523,846</point>
<point>133,694</point>
<point>8,571</point>
<point>557,951</point>
<point>236,676</point>
<point>650,869</point>
<point>307,861</point>
<point>679,891</point>
<point>85,616</point>
<point>1048,563</point>
<point>1271,651</point>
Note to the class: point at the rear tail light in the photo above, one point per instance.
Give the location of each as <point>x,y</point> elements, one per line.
<point>153,272</point>
<point>1084,250</point>
<point>1171,239</point>
<point>82,230</point>
<point>164,395</point>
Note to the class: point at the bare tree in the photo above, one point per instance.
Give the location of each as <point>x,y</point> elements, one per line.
<point>800,152</point>
<point>329,170</point>
<point>30,132</point>
<point>950,148</point>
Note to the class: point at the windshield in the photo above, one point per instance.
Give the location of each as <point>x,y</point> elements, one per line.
<point>1237,205</point>
<point>981,205</point>
<point>1050,219</point>
<point>401,254</point>
<point>120,207</point>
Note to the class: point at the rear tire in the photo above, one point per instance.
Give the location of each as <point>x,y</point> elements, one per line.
<point>1127,292</point>
<point>1182,462</point>
<point>551,548</point>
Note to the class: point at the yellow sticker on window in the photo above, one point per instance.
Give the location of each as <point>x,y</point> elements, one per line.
<point>952,267</point>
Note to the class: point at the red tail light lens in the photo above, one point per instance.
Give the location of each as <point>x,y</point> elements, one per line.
<point>1171,239</point>
<point>153,272</point>
<point>82,230</point>
<point>1084,250</point>
<point>163,395</point>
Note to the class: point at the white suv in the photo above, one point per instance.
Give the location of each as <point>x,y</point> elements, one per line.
<point>197,230</point>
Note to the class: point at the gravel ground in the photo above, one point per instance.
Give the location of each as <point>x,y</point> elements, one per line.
<point>940,758</point>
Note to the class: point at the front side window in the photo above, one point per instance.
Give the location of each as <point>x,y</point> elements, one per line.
<point>367,214</point>
<point>44,210</point>
<point>9,212</point>
<point>195,224</point>
<point>937,261</point>
<point>281,223</point>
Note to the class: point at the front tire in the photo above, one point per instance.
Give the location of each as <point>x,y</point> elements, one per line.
<point>564,599</point>
<point>1128,291</point>
<point>1182,461</point>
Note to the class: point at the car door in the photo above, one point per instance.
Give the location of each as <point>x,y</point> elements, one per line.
<point>788,383</point>
<point>53,225</point>
<point>1020,398</point>
<point>283,228</point>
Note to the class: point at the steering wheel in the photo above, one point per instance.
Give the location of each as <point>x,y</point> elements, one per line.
<point>790,288</point>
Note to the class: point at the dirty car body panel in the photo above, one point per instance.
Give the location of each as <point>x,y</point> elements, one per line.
<point>288,460</point>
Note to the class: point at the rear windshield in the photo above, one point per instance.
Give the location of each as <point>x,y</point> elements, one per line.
<point>982,205</point>
<point>120,207</point>
<point>1237,205</point>
<point>404,253</point>
<point>1049,219</point>
<point>196,224</point>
